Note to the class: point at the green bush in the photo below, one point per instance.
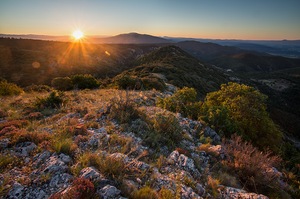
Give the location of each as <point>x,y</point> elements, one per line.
<point>7,89</point>
<point>54,100</point>
<point>183,101</point>
<point>84,81</point>
<point>127,82</point>
<point>238,108</point>
<point>62,83</point>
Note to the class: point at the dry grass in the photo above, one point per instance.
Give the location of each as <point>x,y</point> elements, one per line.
<point>251,165</point>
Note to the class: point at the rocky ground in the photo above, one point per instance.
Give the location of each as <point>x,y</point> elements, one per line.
<point>185,170</point>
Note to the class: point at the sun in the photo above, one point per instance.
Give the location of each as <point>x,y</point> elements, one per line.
<point>77,34</point>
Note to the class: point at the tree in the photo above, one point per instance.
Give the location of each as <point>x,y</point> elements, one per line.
<point>238,108</point>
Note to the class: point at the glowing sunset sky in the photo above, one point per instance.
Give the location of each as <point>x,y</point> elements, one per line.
<point>219,19</point>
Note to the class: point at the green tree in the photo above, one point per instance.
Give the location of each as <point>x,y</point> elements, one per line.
<point>238,108</point>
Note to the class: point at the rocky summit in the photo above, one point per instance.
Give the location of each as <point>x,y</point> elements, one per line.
<point>98,146</point>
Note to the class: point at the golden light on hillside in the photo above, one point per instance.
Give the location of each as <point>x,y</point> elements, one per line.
<point>77,34</point>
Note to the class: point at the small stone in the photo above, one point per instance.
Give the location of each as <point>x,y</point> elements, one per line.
<point>25,148</point>
<point>120,156</point>
<point>199,189</point>
<point>90,173</point>
<point>16,191</point>
<point>65,158</point>
<point>4,143</point>
<point>60,180</point>
<point>109,192</point>
<point>55,165</point>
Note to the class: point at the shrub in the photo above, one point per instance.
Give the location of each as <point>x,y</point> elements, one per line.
<point>253,167</point>
<point>212,185</point>
<point>65,146</point>
<point>7,89</point>
<point>37,88</point>
<point>5,161</point>
<point>89,159</point>
<point>166,194</point>
<point>124,144</point>
<point>109,166</point>
<point>81,189</point>
<point>13,123</point>
<point>54,100</point>
<point>62,83</point>
<point>153,83</point>
<point>126,82</point>
<point>183,101</point>
<point>25,136</point>
<point>112,167</point>
<point>84,81</point>
<point>238,108</point>
<point>123,109</point>
<point>145,193</point>
<point>164,130</point>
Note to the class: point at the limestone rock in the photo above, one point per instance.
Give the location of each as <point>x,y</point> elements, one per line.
<point>109,192</point>
<point>55,165</point>
<point>234,193</point>
<point>90,173</point>
<point>16,191</point>
<point>25,148</point>
<point>208,132</point>
<point>183,162</point>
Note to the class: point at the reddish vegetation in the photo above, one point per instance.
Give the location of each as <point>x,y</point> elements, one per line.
<point>15,123</point>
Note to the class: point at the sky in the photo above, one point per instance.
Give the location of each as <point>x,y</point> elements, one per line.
<point>214,19</point>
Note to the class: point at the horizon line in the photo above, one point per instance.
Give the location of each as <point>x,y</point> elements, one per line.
<point>164,37</point>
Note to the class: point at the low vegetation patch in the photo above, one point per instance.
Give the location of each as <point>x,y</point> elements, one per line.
<point>123,109</point>
<point>7,89</point>
<point>253,167</point>
<point>164,130</point>
<point>81,188</point>
<point>145,193</point>
<point>54,100</point>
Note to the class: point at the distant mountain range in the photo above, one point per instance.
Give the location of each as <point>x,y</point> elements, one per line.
<point>286,48</point>
<point>131,38</point>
